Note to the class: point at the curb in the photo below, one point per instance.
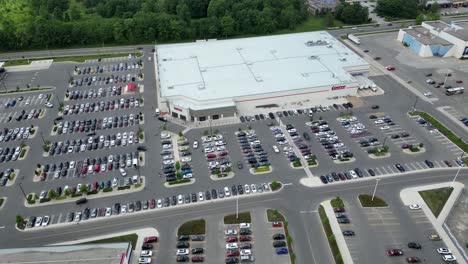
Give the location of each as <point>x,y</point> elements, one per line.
<point>215,178</point>
<point>192,181</point>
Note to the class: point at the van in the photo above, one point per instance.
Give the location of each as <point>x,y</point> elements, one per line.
<point>135,162</point>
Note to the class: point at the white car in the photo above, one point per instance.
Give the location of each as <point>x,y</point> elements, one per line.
<point>108,211</point>
<point>165,135</point>
<point>244,225</point>
<point>200,196</point>
<point>449,258</point>
<point>43,195</point>
<point>29,101</point>
<point>444,251</point>
<point>165,146</point>
<point>168,162</point>
<point>247,189</point>
<point>159,203</point>
<point>246,252</point>
<point>123,209</point>
<point>208,150</point>
<point>232,246</point>
<point>384,127</point>
<point>221,148</point>
<point>227,192</point>
<point>180,199</point>
<point>188,176</point>
<point>427,94</point>
<point>353,174</point>
<point>379,121</point>
<point>181,252</point>
<point>49,105</point>
<point>195,144</point>
<point>275,149</point>
<point>77,216</point>
<point>119,136</point>
<point>253,188</point>
<point>186,159</point>
<point>38,221</point>
<point>414,206</point>
<point>72,164</point>
<point>144,260</point>
<point>230,232</point>
<point>146,253</point>
<point>123,172</point>
<point>115,182</point>
<point>45,220</point>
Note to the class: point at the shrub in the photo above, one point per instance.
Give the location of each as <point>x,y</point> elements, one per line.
<point>23,152</point>
<point>123,187</point>
<point>275,185</point>
<point>45,200</point>
<point>108,189</point>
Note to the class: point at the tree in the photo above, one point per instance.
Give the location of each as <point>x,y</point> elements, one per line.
<point>67,191</point>
<point>177,165</point>
<point>434,8</point>
<point>397,8</point>
<point>84,189</point>
<point>351,13</point>
<point>183,12</point>
<point>329,20</point>
<point>52,193</point>
<point>19,221</point>
<point>227,26</point>
<point>419,19</point>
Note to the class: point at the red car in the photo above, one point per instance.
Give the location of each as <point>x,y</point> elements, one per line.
<point>277,224</point>
<point>390,68</point>
<point>211,156</point>
<point>448,163</point>
<point>97,168</point>
<point>232,253</point>
<point>245,238</point>
<point>109,166</point>
<point>339,210</point>
<point>394,252</point>
<point>43,176</point>
<point>152,204</point>
<point>150,239</point>
<point>224,153</point>
<point>405,146</point>
<point>459,81</point>
<point>413,260</point>
<point>84,170</point>
<point>231,239</point>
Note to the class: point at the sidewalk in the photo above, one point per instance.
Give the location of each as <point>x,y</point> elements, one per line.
<point>411,196</point>
<point>340,240</point>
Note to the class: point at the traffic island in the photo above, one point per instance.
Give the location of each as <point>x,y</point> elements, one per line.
<point>261,170</point>
<point>330,236</point>
<point>436,199</point>
<point>275,186</point>
<point>378,153</point>
<point>177,183</point>
<point>223,176</point>
<point>23,153</point>
<point>344,160</point>
<point>12,178</point>
<point>2,202</point>
<point>273,215</point>
<point>296,164</point>
<point>367,200</point>
<point>192,227</point>
<point>414,149</point>
<point>242,217</point>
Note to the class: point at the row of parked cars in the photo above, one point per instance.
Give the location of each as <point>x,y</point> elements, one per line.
<point>5,176</point>
<point>93,143</point>
<point>123,66</point>
<point>236,251</point>
<point>10,154</point>
<point>303,148</point>
<point>91,125</point>
<point>104,79</point>
<point>252,149</point>
<point>14,134</point>
<point>95,93</point>
<point>216,153</point>
<point>101,106</point>
<point>184,249</point>
<point>329,140</point>
<point>33,114</point>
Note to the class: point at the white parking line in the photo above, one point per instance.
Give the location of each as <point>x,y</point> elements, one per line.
<point>384,169</point>
<point>438,165</point>
<point>59,219</point>
<point>419,165</point>
<point>390,168</point>
<point>379,172</point>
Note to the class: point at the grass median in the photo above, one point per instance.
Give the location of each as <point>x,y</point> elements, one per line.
<point>132,238</point>
<point>366,201</point>
<point>442,129</point>
<point>330,236</point>
<point>83,58</point>
<point>244,217</point>
<point>193,227</point>
<point>436,199</point>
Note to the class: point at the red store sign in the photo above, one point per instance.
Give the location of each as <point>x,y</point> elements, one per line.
<point>178,109</point>
<point>338,87</point>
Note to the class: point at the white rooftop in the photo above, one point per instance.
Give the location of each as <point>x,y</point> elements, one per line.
<point>218,69</point>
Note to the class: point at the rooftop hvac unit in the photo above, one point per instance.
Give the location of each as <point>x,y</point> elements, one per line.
<point>201,86</point>
<point>258,79</point>
<point>329,45</point>
<point>203,69</point>
<point>313,57</point>
<point>419,35</point>
<point>342,59</point>
<point>170,87</point>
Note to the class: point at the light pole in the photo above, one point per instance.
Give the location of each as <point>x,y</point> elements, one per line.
<point>43,141</point>
<point>375,188</point>
<point>385,140</point>
<point>211,131</point>
<point>21,188</point>
<point>415,102</point>
<point>237,207</point>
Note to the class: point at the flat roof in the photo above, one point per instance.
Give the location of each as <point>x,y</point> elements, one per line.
<point>458,29</point>
<point>219,69</point>
<point>425,37</point>
<point>108,253</point>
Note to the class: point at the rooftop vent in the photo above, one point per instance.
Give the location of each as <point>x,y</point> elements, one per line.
<point>329,46</point>
<point>313,57</point>
<point>258,79</point>
<point>203,69</point>
<point>201,86</point>
<point>170,87</point>
<point>342,59</point>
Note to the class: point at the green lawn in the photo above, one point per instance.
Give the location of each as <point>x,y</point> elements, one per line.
<point>366,201</point>
<point>330,236</point>
<point>275,185</point>
<point>337,202</point>
<point>193,227</point>
<point>262,169</point>
<point>70,58</point>
<point>125,238</point>
<point>1,201</point>
<point>436,198</point>
<point>274,216</point>
<point>244,217</point>
<point>442,129</point>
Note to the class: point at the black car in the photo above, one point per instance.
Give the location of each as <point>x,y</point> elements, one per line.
<point>399,167</point>
<point>198,238</point>
<point>146,246</point>
<point>245,246</point>
<point>183,238</point>
<point>375,107</point>
<point>429,163</point>
<point>232,260</point>
<point>240,189</point>
<point>182,259</point>
<point>359,172</point>
<point>279,237</point>
<point>214,194</point>
<point>323,179</point>
<point>348,233</point>
<point>278,244</point>
<point>414,245</point>
<point>371,172</point>
<point>244,232</point>
<point>197,250</point>
<point>182,244</point>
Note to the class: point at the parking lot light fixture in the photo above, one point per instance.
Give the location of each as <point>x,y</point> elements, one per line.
<point>415,102</point>
<point>385,140</point>
<point>458,171</point>
<point>375,188</point>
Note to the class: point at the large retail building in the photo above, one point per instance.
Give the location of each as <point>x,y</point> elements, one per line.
<point>222,78</point>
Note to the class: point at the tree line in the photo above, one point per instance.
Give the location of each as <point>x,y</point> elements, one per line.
<point>31,24</point>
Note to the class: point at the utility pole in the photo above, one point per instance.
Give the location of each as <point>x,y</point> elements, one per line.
<point>375,188</point>
<point>415,102</point>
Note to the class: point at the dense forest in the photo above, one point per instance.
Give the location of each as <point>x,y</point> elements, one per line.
<point>31,24</point>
